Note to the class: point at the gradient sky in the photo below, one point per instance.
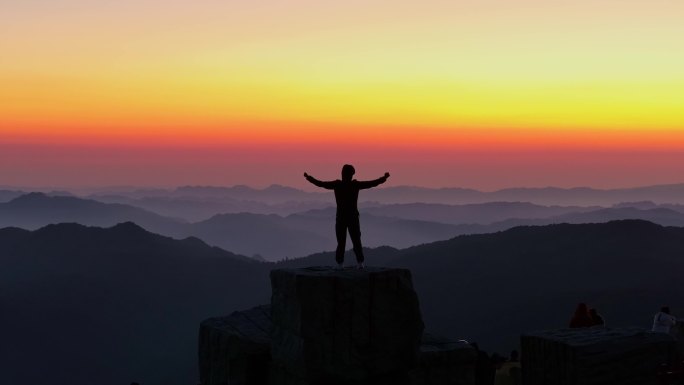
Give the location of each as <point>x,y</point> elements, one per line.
<point>484,94</point>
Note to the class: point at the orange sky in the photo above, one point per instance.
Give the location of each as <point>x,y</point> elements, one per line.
<point>485,94</point>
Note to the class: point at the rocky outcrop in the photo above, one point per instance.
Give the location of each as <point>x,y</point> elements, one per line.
<point>678,333</point>
<point>333,327</point>
<point>345,327</point>
<point>236,349</point>
<point>444,362</point>
<point>594,356</point>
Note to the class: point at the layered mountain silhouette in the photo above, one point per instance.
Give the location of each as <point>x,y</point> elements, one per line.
<point>272,194</point>
<point>662,216</point>
<point>7,195</point>
<point>273,237</point>
<point>582,196</point>
<point>646,205</point>
<point>84,305</point>
<point>276,237</point>
<point>193,208</point>
<point>195,203</point>
<point>92,305</point>
<point>480,213</point>
<point>34,210</point>
<point>578,196</point>
<point>490,287</point>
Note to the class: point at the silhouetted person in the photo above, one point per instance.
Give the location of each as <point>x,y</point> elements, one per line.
<point>663,321</point>
<point>596,319</point>
<point>347,217</point>
<point>581,318</point>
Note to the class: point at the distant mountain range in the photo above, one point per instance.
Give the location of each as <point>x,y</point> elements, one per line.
<point>196,203</point>
<point>112,306</point>
<point>273,237</point>
<point>34,210</point>
<point>269,236</point>
<point>548,196</point>
<point>479,213</point>
<point>195,209</point>
<point>579,196</point>
<point>7,195</point>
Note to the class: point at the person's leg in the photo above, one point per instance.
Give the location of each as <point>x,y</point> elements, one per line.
<point>355,235</point>
<point>341,233</point>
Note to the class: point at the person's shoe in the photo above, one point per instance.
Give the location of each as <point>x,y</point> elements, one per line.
<point>339,267</point>
<point>360,266</point>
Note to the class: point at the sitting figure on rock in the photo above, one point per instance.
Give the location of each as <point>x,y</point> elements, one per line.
<point>347,217</point>
<point>663,321</point>
<point>581,318</point>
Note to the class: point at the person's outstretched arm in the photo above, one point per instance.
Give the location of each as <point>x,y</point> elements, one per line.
<point>329,185</point>
<point>372,183</point>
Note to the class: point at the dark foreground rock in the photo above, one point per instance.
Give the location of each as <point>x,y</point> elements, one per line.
<point>678,333</point>
<point>328,327</point>
<point>236,349</point>
<point>594,356</point>
<point>443,361</point>
<point>345,327</point>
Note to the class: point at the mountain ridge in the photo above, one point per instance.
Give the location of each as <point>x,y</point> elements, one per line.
<point>141,296</point>
<point>273,236</point>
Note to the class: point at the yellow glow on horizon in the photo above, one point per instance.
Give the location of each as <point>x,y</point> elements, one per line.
<point>307,70</point>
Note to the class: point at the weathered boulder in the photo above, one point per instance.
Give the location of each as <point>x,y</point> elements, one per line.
<point>678,333</point>
<point>594,356</point>
<point>345,327</point>
<point>444,361</point>
<point>236,350</point>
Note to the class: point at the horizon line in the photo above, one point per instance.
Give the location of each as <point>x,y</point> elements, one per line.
<point>124,187</point>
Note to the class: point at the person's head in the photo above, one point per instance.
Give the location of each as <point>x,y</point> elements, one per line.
<point>348,172</point>
<point>515,356</point>
<point>581,308</point>
<point>665,309</point>
<point>593,312</point>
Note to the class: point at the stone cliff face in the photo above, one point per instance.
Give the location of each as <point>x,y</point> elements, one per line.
<point>443,361</point>
<point>236,349</point>
<point>332,327</point>
<point>678,333</point>
<point>594,356</point>
<point>350,326</point>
